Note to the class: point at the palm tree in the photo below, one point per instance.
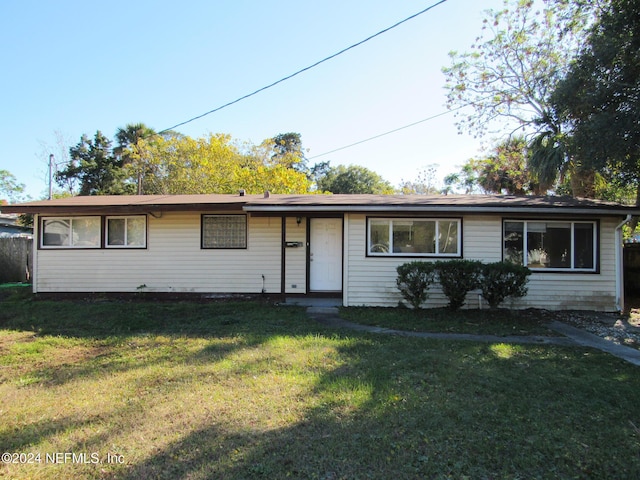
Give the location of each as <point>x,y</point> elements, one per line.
<point>129,148</point>
<point>551,162</point>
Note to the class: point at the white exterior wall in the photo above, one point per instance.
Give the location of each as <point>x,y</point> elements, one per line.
<point>296,258</point>
<point>172,262</point>
<point>372,280</point>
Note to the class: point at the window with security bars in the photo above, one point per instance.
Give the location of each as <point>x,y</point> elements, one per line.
<point>224,231</point>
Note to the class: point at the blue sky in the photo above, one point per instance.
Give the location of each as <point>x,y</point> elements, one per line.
<point>74,67</point>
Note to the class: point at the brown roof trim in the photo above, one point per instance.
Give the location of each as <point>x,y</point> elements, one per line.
<point>280,204</point>
<point>102,204</point>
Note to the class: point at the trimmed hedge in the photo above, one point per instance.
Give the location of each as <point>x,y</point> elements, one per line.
<point>498,281</point>
<point>457,278</point>
<point>414,279</point>
<point>503,279</point>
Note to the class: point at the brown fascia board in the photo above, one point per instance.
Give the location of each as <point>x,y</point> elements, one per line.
<point>124,209</point>
<point>123,204</point>
<point>440,204</point>
<point>327,204</point>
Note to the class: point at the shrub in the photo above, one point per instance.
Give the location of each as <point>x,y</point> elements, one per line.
<point>503,279</point>
<point>414,279</point>
<point>457,278</point>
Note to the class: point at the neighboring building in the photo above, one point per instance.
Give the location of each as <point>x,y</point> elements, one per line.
<point>346,246</point>
<point>10,228</point>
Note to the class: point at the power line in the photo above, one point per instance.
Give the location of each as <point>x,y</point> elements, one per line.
<point>387,133</point>
<point>304,69</point>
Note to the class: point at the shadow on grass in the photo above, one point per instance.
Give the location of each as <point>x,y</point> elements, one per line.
<point>389,408</point>
<point>500,322</point>
<point>107,319</point>
<point>110,327</point>
<point>442,411</point>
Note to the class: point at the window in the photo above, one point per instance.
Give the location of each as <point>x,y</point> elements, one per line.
<point>224,231</point>
<point>126,232</point>
<point>71,232</point>
<point>414,237</point>
<point>551,245</point>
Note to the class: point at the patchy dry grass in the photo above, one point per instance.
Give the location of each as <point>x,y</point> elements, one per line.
<point>248,390</point>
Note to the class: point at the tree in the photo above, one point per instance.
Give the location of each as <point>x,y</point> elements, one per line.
<point>95,167</point>
<point>424,184</point>
<point>130,150</point>
<point>600,96</point>
<point>214,164</point>
<point>10,189</point>
<point>353,179</point>
<point>504,171</point>
<point>288,151</point>
<point>515,63</point>
<point>510,76</point>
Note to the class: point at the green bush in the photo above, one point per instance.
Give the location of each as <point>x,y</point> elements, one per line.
<point>414,279</point>
<point>503,279</point>
<point>457,278</point>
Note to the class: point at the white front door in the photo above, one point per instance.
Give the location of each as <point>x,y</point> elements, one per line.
<point>325,255</point>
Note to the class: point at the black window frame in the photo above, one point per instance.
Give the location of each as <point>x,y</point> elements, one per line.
<point>68,218</point>
<point>572,221</point>
<point>101,234</point>
<point>107,245</point>
<point>398,254</point>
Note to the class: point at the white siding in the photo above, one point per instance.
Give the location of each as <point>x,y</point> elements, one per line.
<point>372,280</point>
<point>172,262</point>
<point>296,258</point>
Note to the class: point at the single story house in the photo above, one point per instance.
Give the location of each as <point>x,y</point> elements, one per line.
<point>346,246</point>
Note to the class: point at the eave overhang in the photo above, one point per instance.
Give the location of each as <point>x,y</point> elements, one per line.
<point>305,205</point>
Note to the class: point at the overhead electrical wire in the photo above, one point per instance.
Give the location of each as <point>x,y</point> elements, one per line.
<point>386,133</point>
<point>303,70</point>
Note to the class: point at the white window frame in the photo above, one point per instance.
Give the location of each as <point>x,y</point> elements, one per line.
<point>572,267</point>
<point>391,253</point>
<point>245,239</point>
<point>44,220</point>
<point>126,219</point>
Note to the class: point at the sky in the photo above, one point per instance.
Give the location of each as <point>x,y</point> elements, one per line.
<point>74,67</point>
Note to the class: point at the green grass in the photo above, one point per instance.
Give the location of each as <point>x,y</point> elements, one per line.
<point>251,390</point>
<point>499,322</point>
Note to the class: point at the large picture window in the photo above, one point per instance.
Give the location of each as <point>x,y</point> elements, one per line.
<point>126,232</point>
<point>414,237</point>
<point>551,245</point>
<point>224,231</point>
<point>70,232</point>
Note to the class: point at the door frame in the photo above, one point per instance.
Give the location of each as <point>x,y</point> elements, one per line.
<point>325,293</point>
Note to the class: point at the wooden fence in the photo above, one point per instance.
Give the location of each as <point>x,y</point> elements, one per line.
<point>15,259</point>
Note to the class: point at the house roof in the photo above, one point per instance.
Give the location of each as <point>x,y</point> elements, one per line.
<point>300,204</point>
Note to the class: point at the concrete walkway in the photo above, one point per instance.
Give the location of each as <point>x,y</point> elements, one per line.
<point>328,315</point>
<point>586,339</point>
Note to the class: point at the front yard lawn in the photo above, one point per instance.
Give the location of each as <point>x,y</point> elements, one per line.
<point>251,390</point>
<point>499,322</point>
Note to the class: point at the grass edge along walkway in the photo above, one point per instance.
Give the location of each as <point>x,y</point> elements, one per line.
<point>571,336</point>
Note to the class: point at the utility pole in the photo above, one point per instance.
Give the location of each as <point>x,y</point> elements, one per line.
<point>50,176</point>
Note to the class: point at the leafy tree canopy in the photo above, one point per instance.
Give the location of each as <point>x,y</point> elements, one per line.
<point>10,190</point>
<point>503,171</point>
<point>514,64</point>
<point>599,99</point>
<point>95,166</point>
<point>352,179</point>
<point>214,164</point>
